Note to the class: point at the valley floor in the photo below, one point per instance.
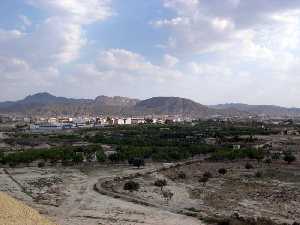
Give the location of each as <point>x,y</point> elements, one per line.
<point>66,196</point>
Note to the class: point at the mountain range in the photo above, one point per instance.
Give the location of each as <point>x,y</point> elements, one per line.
<point>267,110</point>
<point>45,104</point>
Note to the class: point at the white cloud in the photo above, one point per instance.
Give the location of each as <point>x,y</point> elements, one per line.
<point>211,25</point>
<point>11,65</point>
<point>172,22</point>
<point>131,64</point>
<point>25,20</point>
<point>77,11</point>
<point>170,61</point>
<point>222,24</point>
<point>122,60</point>
<point>33,58</point>
<point>59,38</point>
<point>8,35</point>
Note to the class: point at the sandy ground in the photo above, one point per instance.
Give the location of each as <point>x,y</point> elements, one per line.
<point>13,212</point>
<point>275,195</point>
<point>71,200</point>
<point>66,195</point>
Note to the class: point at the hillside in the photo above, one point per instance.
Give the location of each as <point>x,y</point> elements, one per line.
<point>269,110</point>
<point>45,104</point>
<point>13,212</point>
<point>173,106</point>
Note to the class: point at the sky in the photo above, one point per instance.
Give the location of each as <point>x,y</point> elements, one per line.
<point>211,51</point>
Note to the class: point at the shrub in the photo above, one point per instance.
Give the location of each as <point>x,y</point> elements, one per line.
<point>41,164</point>
<point>258,174</point>
<point>77,157</point>
<point>138,162</point>
<point>203,180</point>
<point>2,158</point>
<point>100,155</point>
<point>230,154</point>
<point>249,166</point>
<point>268,161</point>
<point>222,171</point>
<point>12,164</point>
<point>160,183</point>
<point>181,175</point>
<point>224,222</point>
<point>207,174</point>
<point>276,156</point>
<point>167,194</point>
<point>115,157</point>
<point>131,186</point>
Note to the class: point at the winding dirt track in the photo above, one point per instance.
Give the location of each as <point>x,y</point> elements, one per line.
<point>105,187</point>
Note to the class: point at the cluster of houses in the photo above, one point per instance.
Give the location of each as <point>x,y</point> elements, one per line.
<point>54,123</point>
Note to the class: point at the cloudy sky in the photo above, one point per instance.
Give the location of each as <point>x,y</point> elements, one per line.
<point>212,51</point>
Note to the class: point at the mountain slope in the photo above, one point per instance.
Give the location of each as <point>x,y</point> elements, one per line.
<point>45,104</point>
<point>173,106</point>
<point>269,110</point>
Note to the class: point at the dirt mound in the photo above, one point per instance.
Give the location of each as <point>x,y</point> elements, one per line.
<point>13,212</point>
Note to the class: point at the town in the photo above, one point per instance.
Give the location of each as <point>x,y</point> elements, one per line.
<point>59,123</point>
<point>171,163</point>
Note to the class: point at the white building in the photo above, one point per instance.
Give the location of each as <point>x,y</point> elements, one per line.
<point>137,120</point>
<point>128,121</point>
<point>52,120</point>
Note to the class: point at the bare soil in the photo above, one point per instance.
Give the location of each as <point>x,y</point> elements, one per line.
<point>66,196</point>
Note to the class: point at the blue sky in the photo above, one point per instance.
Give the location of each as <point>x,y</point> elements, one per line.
<point>208,50</point>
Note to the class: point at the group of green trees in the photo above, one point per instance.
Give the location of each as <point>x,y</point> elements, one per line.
<point>159,153</point>
<point>135,144</point>
<point>232,154</point>
<point>67,154</point>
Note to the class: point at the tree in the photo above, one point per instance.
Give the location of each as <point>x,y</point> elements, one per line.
<point>268,161</point>
<point>203,180</point>
<point>276,156</point>
<point>115,157</point>
<point>138,162</point>
<point>78,157</point>
<point>131,186</point>
<point>100,155</point>
<point>149,121</point>
<point>41,164</point>
<point>289,158</point>
<point>258,174</point>
<point>181,175</point>
<point>2,157</point>
<point>167,194</point>
<point>259,155</point>
<point>207,174</point>
<point>248,166</point>
<point>222,171</point>
<point>160,183</point>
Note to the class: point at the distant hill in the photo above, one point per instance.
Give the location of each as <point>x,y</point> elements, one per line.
<point>268,110</point>
<point>45,104</point>
<point>173,106</point>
